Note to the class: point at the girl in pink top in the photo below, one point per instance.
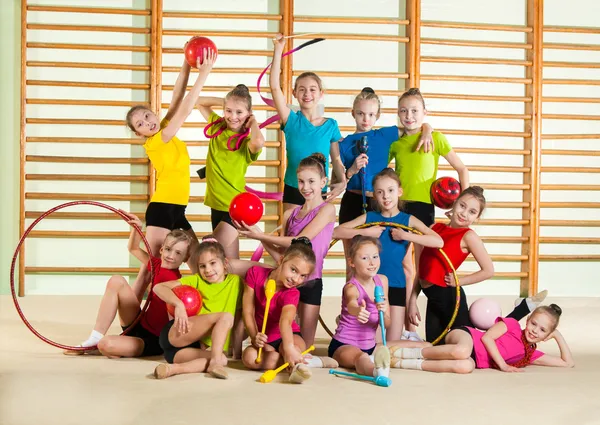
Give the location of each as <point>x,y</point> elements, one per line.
<point>315,220</point>
<point>353,345</point>
<point>504,346</point>
<point>282,336</point>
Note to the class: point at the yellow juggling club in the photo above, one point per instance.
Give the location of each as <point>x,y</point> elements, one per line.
<point>269,292</point>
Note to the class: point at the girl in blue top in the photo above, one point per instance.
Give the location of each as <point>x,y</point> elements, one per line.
<point>394,242</point>
<point>305,131</point>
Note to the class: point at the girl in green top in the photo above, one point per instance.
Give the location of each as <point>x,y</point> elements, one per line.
<point>184,339</point>
<point>417,170</point>
<point>225,168</point>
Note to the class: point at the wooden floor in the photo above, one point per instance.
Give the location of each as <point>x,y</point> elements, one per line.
<point>39,385</point>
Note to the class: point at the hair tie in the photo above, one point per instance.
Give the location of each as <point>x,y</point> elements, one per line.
<point>210,240</point>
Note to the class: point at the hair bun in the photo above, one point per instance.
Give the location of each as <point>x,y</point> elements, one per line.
<point>319,157</point>
<point>556,309</point>
<point>368,90</point>
<point>302,240</point>
<point>477,189</point>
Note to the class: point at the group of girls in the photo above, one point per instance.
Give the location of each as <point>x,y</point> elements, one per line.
<point>233,291</point>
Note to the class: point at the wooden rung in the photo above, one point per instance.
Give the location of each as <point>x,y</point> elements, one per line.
<point>231,52</point>
<point>571,46</point>
<point>571,64</point>
<point>569,187</point>
<point>351,20</point>
<point>476,79</point>
<point>571,117</point>
<point>197,15</point>
<point>582,170</point>
<point>571,99</point>
<point>479,115</point>
<point>585,30</point>
<point>205,143</point>
<point>258,107</point>
<point>95,28</point>
<point>486,133</point>
<point>505,239</point>
<point>480,61</point>
<point>354,92</point>
<point>470,43</point>
<point>507,205</point>
<point>582,257</point>
<point>243,70</point>
<point>102,10</point>
<point>570,205</point>
<point>565,240</point>
<point>81,102</point>
<point>472,26</point>
<point>85,196</point>
<point>83,121</point>
<point>355,74</point>
<point>274,126</point>
<point>568,152</point>
<point>32,45</point>
<point>77,234</point>
<point>565,81</point>
<point>200,199</point>
<point>492,222</point>
<point>120,141</point>
<point>84,177</point>
<point>491,168</point>
<point>259,163</point>
<point>112,216</point>
<point>570,136</point>
<point>570,223</point>
<point>524,99</point>
<point>211,33</point>
<point>355,37</point>
<point>223,89</point>
<point>494,151</point>
<point>86,160</point>
<point>101,85</point>
<point>88,65</point>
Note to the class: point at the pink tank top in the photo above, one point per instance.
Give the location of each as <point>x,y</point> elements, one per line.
<point>350,330</point>
<point>320,243</point>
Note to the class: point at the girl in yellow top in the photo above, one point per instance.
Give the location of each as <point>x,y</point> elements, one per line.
<point>170,158</point>
<point>417,170</point>
<point>225,168</point>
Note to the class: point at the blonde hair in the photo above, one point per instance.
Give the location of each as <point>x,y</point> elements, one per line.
<point>176,236</point>
<point>552,310</point>
<point>367,94</point>
<point>359,240</point>
<point>242,93</point>
<point>412,92</point>
<point>309,75</point>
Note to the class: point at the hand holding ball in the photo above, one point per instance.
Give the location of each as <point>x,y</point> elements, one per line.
<point>192,300</point>
<point>247,208</point>
<point>444,191</point>
<point>195,47</point>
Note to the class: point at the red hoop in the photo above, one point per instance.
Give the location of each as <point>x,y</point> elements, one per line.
<point>14,261</point>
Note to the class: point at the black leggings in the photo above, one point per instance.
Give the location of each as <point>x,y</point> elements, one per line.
<point>440,306</point>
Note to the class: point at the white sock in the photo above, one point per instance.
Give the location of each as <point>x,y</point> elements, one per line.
<point>415,364</point>
<point>408,353</point>
<point>405,335</point>
<point>313,361</point>
<point>93,339</point>
<point>381,371</point>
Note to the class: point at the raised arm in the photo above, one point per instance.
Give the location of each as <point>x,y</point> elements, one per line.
<point>274,80</point>
<point>133,245</point>
<point>179,89</point>
<point>190,100</point>
<point>565,359</point>
<point>257,140</point>
<point>206,103</point>
<point>461,169</point>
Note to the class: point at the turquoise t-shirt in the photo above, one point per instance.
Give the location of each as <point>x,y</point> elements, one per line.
<point>302,139</point>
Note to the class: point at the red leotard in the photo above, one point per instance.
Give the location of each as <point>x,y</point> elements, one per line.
<point>433,267</point>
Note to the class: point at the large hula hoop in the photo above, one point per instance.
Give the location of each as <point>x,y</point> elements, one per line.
<point>410,229</point>
<point>16,254</point>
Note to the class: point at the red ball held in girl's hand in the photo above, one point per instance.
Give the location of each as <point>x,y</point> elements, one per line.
<point>195,47</point>
<point>246,207</point>
<point>444,191</point>
<point>192,300</point>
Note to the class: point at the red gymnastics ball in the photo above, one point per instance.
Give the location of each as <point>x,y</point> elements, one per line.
<point>192,300</point>
<point>195,47</point>
<point>444,191</point>
<point>246,207</point>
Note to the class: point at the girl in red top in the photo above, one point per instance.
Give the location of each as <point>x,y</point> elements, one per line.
<point>120,298</point>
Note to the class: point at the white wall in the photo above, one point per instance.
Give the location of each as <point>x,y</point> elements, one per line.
<point>331,55</point>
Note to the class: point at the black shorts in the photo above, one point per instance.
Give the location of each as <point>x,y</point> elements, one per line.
<point>397,296</point>
<point>421,210</point>
<point>335,344</point>
<point>167,216</point>
<point>311,292</point>
<point>352,206</point>
<point>291,195</point>
<point>217,216</point>
<point>151,343</point>
<point>277,343</point>
<point>168,348</point>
